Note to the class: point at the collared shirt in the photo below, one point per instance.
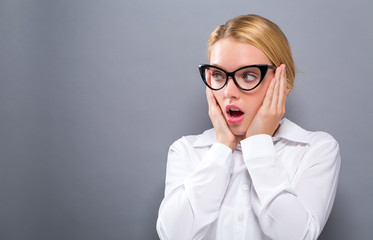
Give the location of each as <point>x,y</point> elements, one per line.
<point>280,187</point>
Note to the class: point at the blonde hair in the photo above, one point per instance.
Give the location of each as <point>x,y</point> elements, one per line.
<point>261,33</point>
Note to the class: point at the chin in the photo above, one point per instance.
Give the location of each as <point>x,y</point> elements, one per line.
<point>238,130</point>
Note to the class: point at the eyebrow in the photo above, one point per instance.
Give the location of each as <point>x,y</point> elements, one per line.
<point>217,65</point>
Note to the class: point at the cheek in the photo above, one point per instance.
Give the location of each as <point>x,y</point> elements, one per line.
<point>219,97</point>
<point>263,88</point>
<point>255,99</point>
<point>253,104</point>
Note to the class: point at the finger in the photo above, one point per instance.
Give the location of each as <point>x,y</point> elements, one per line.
<point>283,89</point>
<point>210,98</point>
<point>268,96</point>
<point>276,88</point>
<point>282,94</point>
<point>214,109</point>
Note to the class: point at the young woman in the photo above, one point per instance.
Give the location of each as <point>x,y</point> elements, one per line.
<point>255,175</point>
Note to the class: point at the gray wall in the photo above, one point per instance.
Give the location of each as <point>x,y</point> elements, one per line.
<point>92,93</point>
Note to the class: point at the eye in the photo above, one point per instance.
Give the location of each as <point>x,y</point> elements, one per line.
<point>249,77</point>
<point>217,76</point>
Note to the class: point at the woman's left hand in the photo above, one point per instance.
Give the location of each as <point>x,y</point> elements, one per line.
<point>268,117</point>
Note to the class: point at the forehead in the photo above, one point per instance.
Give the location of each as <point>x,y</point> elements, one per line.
<point>230,54</point>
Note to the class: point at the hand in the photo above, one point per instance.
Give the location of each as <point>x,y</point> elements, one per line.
<point>267,119</point>
<point>223,133</point>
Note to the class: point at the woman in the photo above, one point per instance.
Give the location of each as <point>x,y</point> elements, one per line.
<point>255,175</point>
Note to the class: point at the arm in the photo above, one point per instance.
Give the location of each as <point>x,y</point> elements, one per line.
<point>292,210</point>
<point>194,191</point>
<point>288,211</point>
<point>193,195</point>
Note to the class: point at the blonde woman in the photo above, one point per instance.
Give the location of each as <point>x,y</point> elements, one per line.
<point>255,175</point>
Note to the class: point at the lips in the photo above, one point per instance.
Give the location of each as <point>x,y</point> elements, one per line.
<point>234,114</point>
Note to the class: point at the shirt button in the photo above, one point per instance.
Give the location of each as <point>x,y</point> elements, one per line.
<point>240,218</point>
<point>245,187</point>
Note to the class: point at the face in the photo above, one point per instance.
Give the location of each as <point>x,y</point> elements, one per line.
<point>230,55</point>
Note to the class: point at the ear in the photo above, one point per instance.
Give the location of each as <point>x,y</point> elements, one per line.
<point>287,91</point>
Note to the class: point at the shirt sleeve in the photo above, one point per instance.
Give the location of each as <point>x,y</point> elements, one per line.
<point>194,191</point>
<point>292,210</point>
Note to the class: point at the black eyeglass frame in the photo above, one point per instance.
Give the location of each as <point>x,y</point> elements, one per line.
<point>262,67</point>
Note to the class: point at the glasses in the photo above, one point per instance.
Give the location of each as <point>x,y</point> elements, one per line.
<point>246,78</point>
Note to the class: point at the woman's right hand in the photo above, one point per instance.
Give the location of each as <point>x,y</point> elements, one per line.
<point>223,133</point>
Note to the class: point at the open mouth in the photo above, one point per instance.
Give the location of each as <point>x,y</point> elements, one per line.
<point>234,114</point>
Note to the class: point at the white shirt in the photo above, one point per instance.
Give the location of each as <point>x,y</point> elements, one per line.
<point>280,187</point>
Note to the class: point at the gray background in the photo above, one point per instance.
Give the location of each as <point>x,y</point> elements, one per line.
<point>92,93</point>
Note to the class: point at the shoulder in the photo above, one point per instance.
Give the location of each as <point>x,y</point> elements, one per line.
<point>317,143</point>
<point>324,145</point>
<point>187,151</point>
<point>205,139</point>
<point>321,138</point>
<point>322,148</point>
<point>293,132</point>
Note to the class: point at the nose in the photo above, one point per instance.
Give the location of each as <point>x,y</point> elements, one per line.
<point>231,90</point>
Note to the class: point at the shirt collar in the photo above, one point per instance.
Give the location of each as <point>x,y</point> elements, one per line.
<point>207,138</point>
<point>287,130</point>
<point>292,132</point>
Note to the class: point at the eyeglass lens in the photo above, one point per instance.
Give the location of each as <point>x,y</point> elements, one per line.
<point>246,78</point>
